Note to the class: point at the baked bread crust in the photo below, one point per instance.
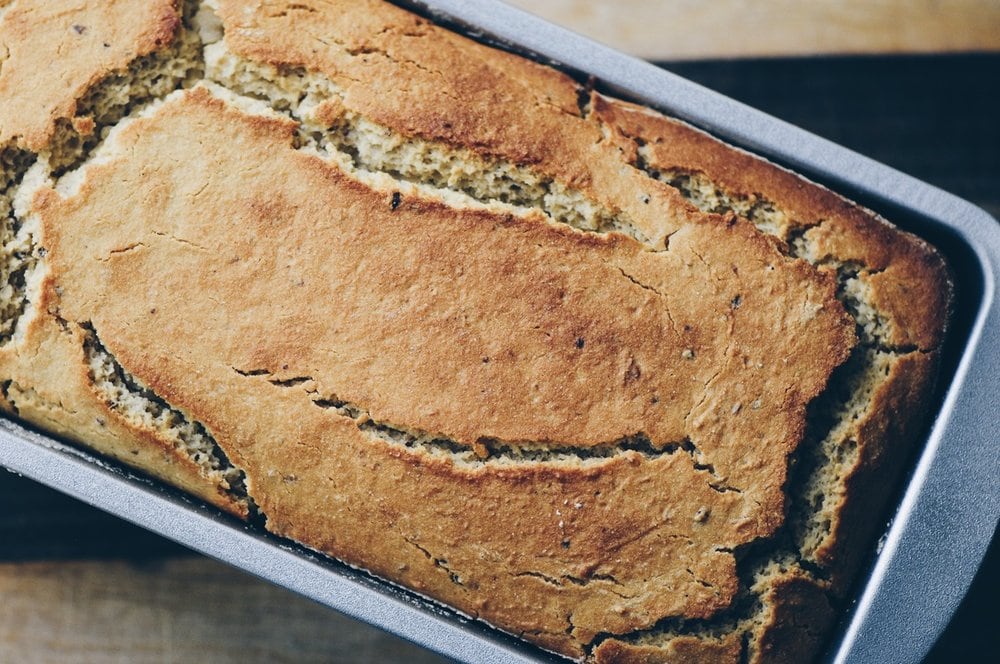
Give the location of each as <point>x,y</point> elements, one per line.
<point>42,361</point>
<point>490,351</point>
<point>899,290</point>
<point>99,38</point>
<point>273,256</point>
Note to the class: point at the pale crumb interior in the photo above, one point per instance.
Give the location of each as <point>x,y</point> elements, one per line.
<point>487,452</point>
<point>146,79</point>
<point>19,253</point>
<point>109,104</point>
<point>707,197</point>
<point>849,399</point>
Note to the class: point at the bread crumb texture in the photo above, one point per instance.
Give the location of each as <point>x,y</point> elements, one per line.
<point>567,365</point>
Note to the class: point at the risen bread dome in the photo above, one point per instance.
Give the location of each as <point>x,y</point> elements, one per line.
<point>565,364</point>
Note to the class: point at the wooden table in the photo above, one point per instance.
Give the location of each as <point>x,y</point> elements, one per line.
<point>79,586</point>
<point>694,29</point>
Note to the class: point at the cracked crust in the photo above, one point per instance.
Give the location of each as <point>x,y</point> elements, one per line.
<point>44,371</point>
<point>791,623</point>
<point>84,42</point>
<point>301,268</point>
<point>910,284</point>
<point>897,286</point>
<point>408,75</point>
<point>647,539</point>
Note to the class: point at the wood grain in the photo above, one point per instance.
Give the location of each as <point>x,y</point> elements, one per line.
<point>686,29</point>
<point>188,609</point>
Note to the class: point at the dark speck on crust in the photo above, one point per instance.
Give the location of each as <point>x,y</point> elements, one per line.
<point>633,373</point>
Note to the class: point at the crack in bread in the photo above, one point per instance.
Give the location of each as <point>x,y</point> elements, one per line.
<point>848,426</point>
<point>122,93</point>
<point>532,134</point>
<point>126,395</point>
<point>20,253</point>
<point>835,452</point>
<point>851,397</point>
<point>651,448</point>
<point>874,328</point>
<point>488,450</point>
<point>366,147</point>
<point>105,38</point>
<point>125,55</point>
<point>309,238</point>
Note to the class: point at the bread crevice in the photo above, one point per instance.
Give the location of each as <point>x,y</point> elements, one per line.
<point>827,455</point>
<point>365,148</point>
<point>117,96</point>
<point>146,79</point>
<point>104,105</point>
<point>144,410</point>
<point>762,575</point>
<point>381,157</point>
<point>13,393</point>
<point>488,451</point>
<point>439,562</point>
<point>20,254</point>
<point>825,460</point>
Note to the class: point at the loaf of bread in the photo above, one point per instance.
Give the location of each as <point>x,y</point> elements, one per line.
<point>562,363</point>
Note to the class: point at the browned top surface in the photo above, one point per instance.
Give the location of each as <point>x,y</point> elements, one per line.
<point>423,81</point>
<point>244,280</point>
<point>910,283</point>
<point>87,39</point>
<point>307,274</point>
<point>371,47</point>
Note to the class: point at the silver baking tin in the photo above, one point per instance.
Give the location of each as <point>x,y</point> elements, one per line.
<point>944,521</point>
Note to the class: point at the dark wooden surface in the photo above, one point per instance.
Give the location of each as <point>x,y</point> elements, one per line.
<point>935,117</point>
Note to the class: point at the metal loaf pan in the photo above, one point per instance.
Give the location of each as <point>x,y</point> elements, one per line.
<point>949,507</point>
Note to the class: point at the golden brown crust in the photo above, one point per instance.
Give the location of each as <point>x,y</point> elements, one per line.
<point>794,623</point>
<point>907,389</point>
<point>905,288</point>
<point>47,382</point>
<point>79,45</point>
<point>44,370</point>
<point>420,80</point>
<point>370,46</point>
<point>790,625</point>
<point>565,433</point>
<point>598,543</point>
<point>910,282</point>
<point>679,650</point>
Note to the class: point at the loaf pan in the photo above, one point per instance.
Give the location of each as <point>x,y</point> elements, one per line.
<point>947,510</point>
